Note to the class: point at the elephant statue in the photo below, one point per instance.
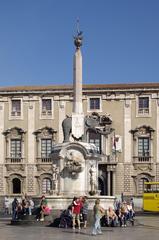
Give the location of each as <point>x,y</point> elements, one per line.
<point>94,122</point>
<point>67,128</point>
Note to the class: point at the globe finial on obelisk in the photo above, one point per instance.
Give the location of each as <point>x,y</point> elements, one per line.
<point>78,38</point>
<point>77,112</point>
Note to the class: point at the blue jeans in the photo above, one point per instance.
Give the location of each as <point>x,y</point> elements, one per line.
<point>14,214</point>
<point>96,225</point>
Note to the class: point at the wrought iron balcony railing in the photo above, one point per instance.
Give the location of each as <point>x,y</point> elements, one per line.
<point>11,160</point>
<point>42,160</point>
<point>143,111</point>
<point>142,159</point>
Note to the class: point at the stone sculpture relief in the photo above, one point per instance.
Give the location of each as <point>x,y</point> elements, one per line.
<point>74,161</point>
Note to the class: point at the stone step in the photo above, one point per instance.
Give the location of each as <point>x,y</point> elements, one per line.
<point>30,222</point>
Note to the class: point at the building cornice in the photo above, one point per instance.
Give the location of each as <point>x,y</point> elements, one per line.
<point>87,88</point>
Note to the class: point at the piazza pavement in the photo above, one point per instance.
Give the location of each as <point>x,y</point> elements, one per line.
<point>146,228</point>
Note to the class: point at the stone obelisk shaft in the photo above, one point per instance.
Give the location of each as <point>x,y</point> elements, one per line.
<point>77,111</point>
<point>77,82</point>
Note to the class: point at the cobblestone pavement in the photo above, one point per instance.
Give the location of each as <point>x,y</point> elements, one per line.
<point>146,227</point>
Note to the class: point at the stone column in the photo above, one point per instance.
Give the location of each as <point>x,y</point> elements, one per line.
<point>114,184</point>
<point>108,183</point>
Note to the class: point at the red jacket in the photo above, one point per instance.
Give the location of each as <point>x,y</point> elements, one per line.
<point>77,205</point>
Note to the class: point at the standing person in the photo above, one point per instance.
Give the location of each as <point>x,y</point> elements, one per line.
<point>6,205</point>
<point>85,211</point>
<point>30,205</point>
<point>14,209</point>
<point>76,209</point>
<point>98,212</point>
<point>132,204</point>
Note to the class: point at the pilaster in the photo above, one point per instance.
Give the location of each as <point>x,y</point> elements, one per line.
<point>31,129</point>
<point>2,156</point>
<point>127,135</point>
<point>157,131</point>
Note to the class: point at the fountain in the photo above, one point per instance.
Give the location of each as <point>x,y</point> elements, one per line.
<point>75,162</point>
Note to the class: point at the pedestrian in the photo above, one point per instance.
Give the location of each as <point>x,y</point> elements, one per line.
<point>84,211</point>
<point>76,209</point>
<point>6,205</point>
<point>98,212</point>
<point>30,205</point>
<point>14,209</point>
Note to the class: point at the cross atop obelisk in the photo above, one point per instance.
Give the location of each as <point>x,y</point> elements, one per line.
<point>77,113</point>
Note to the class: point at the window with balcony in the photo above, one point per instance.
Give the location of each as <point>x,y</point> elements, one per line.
<point>16,107</point>
<point>46,107</point>
<point>94,103</point>
<point>143,147</point>
<point>14,145</point>
<point>143,105</point>
<point>95,138</point>
<point>15,148</point>
<point>45,139</point>
<point>46,146</point>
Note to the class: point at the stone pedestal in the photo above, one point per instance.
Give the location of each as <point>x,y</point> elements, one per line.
<point>77,165</point>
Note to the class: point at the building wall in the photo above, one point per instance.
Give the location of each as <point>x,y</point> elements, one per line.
<point>121,105</point>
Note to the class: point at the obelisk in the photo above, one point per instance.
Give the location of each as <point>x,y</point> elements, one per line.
<point>77,111</point>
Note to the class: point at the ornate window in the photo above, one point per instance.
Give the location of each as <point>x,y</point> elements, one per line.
<point>16,148</point>
<point>14,145</point>
<point>46,185</point>
<point>45,138</point>
<point>15,183</point>
<point>46,146</point>
<point>95,138</point>
<point>143,145</point>
<point>139,182</point>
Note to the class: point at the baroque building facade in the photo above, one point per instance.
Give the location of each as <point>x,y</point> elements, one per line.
<point>31,124</point>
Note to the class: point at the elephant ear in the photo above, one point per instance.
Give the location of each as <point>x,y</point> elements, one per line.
<point>91,122</point>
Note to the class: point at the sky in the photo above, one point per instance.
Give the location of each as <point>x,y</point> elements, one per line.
<point>120,41</point>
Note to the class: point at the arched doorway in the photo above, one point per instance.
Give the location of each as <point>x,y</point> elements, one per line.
<point>16,183</point>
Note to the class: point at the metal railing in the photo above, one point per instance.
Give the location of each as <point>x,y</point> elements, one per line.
<point>44,160</point>
<point>143,111</point>
<point>142,159</point>
<point>14,160</point>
